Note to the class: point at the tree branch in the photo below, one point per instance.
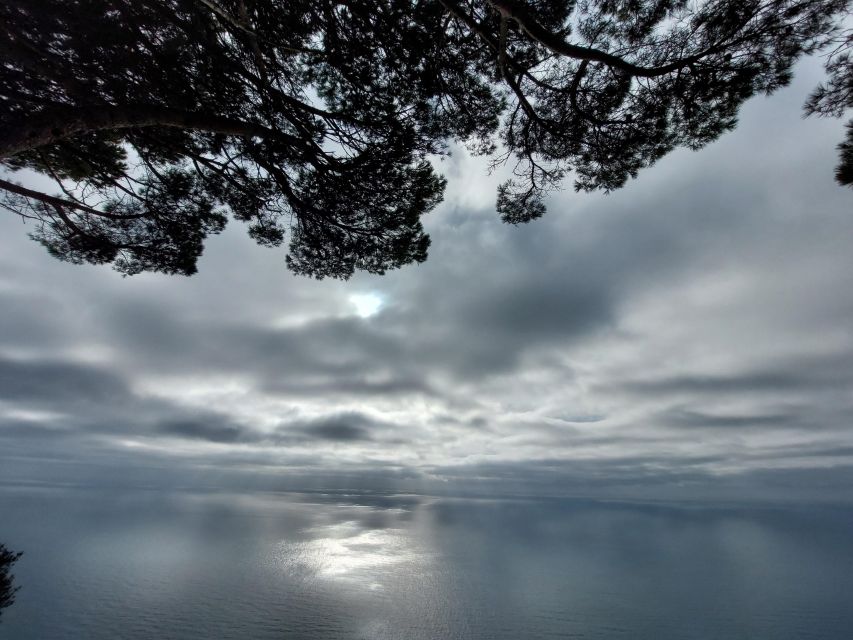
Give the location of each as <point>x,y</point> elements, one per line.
<point>53,201</point>
<point>52,125</point>
<point>519,13</point>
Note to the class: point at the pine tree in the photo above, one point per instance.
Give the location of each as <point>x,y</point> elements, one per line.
<point>7,580</point>
<point>314,121</point>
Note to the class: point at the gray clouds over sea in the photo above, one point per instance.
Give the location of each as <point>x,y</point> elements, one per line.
<point>687,336</point>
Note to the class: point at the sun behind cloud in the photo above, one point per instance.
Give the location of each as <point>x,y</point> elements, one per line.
<point>367,304</point>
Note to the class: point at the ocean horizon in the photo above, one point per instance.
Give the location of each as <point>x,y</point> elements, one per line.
<point>186,564</point>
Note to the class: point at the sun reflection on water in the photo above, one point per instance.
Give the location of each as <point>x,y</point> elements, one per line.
<point>349,551</point>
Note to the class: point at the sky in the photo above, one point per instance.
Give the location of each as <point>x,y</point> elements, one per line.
<point>688,336</point>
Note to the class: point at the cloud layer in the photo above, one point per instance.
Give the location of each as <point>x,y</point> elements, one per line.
<point>689,335</point>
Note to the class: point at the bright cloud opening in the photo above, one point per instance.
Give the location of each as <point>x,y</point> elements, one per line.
<point>366,304</point>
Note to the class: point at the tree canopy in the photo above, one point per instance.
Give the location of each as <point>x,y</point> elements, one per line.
<point>7,580</point>
<point>314,121</point>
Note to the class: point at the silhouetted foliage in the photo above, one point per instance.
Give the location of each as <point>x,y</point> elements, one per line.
<point>316,119</point>
<point>7,579</point>
<point>844,172</point>
<point>836,96</point>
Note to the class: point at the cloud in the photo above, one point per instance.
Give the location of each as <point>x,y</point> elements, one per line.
<point>52,384</point>
<point>701,420</point>
<point>810,373</point>
<point>212,428</point>
<point>347,427</point>
<point>582,352</point>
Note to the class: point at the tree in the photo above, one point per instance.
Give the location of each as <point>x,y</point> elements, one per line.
<point>836,96</point>
<point>7,591</point>
<point>317,119</point>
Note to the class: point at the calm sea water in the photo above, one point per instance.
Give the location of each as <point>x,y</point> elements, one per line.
<point>213,565</point>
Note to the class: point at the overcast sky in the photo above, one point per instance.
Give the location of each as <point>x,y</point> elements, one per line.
<point>690,335</point>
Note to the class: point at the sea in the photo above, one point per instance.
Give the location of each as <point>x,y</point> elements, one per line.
<point>185,565</point>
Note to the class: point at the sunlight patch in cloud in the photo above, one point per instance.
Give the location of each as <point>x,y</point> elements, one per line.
<point>366,304</point>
